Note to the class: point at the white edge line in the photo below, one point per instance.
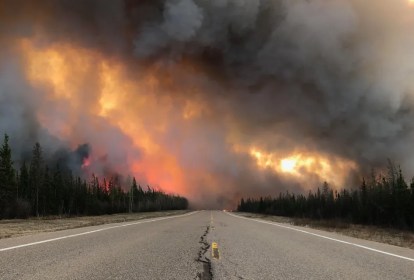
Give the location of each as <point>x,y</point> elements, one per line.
<point>93,231</point>
<point>325,237</point>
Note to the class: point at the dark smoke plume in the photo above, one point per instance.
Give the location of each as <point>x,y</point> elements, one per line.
<point>329,77</point>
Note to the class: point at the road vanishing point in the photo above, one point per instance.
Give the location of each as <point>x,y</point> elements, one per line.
<point>200,245</point>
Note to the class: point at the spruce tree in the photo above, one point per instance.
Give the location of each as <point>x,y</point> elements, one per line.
<point>133,194</point>
<point>24,182</point>
<point>35,177</point>
<point>7,173</point>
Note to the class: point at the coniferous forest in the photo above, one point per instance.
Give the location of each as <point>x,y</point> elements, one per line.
<point>383,200</point>
<point>36,189</point>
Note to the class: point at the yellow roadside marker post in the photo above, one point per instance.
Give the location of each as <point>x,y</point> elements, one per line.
<point>215,250</point>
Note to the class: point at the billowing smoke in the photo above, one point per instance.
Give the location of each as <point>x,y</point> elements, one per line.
<point>213,99</point>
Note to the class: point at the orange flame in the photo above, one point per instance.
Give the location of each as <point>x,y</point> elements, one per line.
<point>77,80</point>
<point>86,162</point>
<point>303,164</point>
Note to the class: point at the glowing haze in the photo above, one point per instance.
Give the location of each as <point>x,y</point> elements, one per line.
<point>213,99</point>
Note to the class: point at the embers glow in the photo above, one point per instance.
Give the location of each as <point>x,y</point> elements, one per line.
<point>86,162</point>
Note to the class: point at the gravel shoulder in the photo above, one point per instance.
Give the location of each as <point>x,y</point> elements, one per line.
<point>19,227</point>
<point>390,236</point>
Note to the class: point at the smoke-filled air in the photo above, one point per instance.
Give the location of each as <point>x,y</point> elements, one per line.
<point>211,99</point>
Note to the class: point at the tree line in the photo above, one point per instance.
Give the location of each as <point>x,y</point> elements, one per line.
<point>382,200</point>
<point>36,189</point>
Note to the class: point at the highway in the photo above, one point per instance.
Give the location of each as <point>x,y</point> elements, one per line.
<point>200,245</point>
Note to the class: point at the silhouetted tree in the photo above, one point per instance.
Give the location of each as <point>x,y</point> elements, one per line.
<point>7,178</point>
<point>385,201</point>
<point>35,177</point>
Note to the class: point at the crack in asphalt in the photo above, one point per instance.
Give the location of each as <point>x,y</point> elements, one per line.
<point>207,272</point>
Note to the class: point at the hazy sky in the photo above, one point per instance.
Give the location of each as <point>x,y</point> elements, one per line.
<point>212,99</point>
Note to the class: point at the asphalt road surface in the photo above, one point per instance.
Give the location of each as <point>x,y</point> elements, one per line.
<point>200,245</point>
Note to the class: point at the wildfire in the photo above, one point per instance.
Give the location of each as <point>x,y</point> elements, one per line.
<point>288,165</point>
<point>263,160</point>
<point>86,162</point>
<point>304,164</point>
<point>79,85</point>
<point>61,67</point>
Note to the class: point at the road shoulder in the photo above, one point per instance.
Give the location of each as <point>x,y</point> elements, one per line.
<point>18,227</point>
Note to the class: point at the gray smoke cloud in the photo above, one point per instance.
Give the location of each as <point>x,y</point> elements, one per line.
<point>331,77</point>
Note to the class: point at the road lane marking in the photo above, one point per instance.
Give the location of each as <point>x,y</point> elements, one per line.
<point>92,231</point>
<point>215,251</point>
<point>211,220</point>
<point>325,237</point>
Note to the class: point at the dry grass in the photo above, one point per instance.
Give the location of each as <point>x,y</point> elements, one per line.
<point>384,235</point>
<point>13,228</point>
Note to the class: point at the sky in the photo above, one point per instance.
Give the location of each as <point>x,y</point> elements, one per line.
<point>212,99</point>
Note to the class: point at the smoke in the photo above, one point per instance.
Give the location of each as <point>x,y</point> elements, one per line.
<point>206,98</point>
